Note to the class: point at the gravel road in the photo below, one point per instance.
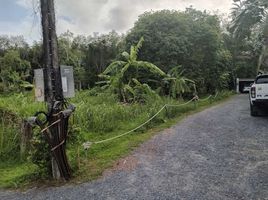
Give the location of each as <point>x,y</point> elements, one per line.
<point>220,153</point>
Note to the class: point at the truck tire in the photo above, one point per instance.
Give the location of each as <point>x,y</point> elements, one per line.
<point>253,111</point>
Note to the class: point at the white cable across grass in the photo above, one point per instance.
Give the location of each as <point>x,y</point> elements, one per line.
<point>86,145</point>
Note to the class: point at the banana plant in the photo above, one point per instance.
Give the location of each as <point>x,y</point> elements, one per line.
<point>119,75</point>
<point>178,84</point>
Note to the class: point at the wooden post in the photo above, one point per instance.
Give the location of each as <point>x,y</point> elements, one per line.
<point>26,136</point>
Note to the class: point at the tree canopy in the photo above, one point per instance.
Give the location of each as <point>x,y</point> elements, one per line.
<point>206,52</point>
<point>250,23</point>
<point>191,39</point>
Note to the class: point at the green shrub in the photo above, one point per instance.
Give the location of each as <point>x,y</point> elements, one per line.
<point>40,154</point>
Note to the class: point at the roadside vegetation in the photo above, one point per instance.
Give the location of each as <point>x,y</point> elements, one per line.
<point>98,116</point>
<point>122,80</point>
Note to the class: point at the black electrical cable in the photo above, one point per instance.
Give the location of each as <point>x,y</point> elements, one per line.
<point>39,120</point>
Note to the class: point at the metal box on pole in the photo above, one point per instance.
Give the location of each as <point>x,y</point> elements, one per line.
<point>67,79</point>
<point>39,85</point>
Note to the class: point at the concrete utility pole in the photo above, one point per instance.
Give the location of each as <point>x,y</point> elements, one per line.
<point>51,59</point>
<point>53,92</point>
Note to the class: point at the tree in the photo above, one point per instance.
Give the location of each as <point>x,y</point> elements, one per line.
<point>249,16</point>
<point>191,39</point>
<point>101,51</point>
<point>12,42</point>
<point>165,33</point>
<point>72,53</point>
<point>126,74</point>
<point>245,15</point>
<point>13,71</point>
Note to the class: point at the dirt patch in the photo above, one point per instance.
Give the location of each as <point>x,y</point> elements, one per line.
<point>169,131</point>
<point>149,150</point>
<point>153,147</point>
<point>128,163</point>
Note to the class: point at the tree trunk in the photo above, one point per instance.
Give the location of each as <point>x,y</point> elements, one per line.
<point>263,60</point>
<point>266,44</point>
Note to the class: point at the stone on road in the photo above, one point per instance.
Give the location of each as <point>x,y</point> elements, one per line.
<point>219,153</point>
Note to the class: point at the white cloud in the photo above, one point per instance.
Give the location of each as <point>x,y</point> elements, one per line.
<point>88,16</point>
<point>26,3</point>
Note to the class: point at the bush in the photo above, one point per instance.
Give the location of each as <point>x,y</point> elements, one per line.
<point>40,154</point>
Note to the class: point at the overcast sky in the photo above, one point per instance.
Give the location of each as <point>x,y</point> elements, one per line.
<point>21,17</point>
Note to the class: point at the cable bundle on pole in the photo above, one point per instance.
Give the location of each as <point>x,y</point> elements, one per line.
<point>58,139</point>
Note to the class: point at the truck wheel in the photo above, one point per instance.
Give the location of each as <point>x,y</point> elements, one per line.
<point>253,111</point>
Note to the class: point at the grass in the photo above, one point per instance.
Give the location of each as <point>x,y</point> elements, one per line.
<point>14,174</point>
<point>13,109</point>
<point>103,156</point>
<point>96,118</point>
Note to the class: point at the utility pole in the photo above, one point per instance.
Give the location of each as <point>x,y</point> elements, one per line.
<point>56,133</point>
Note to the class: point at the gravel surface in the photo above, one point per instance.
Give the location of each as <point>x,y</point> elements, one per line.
<point>220,153</point>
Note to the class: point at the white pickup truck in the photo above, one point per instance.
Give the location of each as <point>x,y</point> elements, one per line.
<point>259,95</point>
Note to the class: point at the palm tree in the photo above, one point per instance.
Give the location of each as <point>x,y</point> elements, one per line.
<point>248,14</point>
<point>120,75</point>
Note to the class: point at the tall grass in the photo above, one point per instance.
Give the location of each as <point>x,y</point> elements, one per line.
<point>97,117</point>
<point>13,109</point>
<point>9,130</point>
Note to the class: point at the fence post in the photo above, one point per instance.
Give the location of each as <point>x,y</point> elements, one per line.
<point>26,135</point>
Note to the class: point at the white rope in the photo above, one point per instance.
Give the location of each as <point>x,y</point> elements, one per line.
<point>202,100</point>
<point>88,144</point>
<point>179,105</point>
<point>216,95</point>
<point>118,136</point>
<point>128,132</point>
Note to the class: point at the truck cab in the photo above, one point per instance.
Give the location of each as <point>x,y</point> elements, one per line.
<point>259,95</point>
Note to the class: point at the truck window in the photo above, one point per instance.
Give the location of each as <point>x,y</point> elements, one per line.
<point>262,80</point>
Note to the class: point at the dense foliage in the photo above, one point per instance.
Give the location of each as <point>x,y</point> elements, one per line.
<point>249,29</point>
<point>191,39</point>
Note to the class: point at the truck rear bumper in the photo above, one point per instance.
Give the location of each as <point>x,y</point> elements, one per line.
<point>260,102</point>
